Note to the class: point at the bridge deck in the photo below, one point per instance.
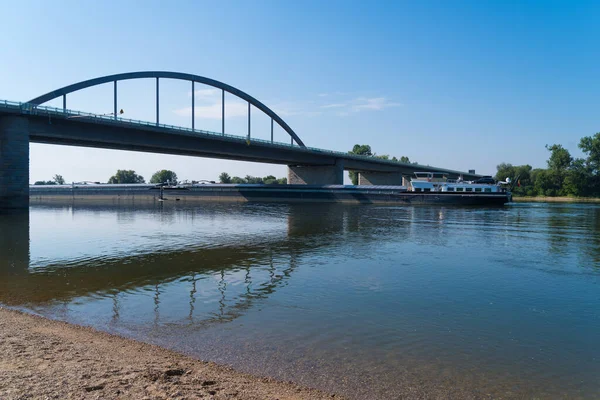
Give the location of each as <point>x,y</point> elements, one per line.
<point>69,127</point>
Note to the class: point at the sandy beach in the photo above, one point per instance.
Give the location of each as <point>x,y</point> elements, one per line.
<point>45,359</point>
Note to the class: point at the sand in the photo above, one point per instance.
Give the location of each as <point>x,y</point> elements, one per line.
<point>45,359</point>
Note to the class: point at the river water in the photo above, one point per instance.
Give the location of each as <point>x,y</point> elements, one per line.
<point>366,301</point>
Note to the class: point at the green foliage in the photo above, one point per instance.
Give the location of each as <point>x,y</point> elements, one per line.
<point>224,177</point>
<point>58,179</point>
<point>126,176</point>
<point>361,150</point>
<point>164,176</point>
<point>565,175</point>
<point>560,158</point>
<point>576,179</point>
<point>267,180</point>
<point>271,180</point>
<point>590,145</point>
<point>253,179</point>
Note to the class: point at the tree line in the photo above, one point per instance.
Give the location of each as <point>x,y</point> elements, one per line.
<point>127,176</point>
<point>564,175</point>
<point>56,180</point>
<point>224,177</point>
<point>124,176</point>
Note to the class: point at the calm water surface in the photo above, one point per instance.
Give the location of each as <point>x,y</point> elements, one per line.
<point>367,301</point>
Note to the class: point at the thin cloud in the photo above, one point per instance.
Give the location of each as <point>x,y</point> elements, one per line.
<point>374,103</point>
<point>360,104</point>
<point>214,111</point>
<point>286,109</point>
<point>335,105</point>
<point>205,93</point>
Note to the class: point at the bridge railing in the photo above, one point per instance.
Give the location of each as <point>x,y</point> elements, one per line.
<point>31,109</point>
<point>27,108</point>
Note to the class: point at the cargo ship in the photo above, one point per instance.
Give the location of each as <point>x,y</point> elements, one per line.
<point>424,188</point>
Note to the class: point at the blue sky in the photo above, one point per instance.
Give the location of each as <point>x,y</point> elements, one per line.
<point>459,85</point>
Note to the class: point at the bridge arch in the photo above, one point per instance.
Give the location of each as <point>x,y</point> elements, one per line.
<point>62,92</point>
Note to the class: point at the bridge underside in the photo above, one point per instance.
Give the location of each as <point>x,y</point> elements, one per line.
<point>310,166</point>
<point>381,178</point>
<point>316,175</point>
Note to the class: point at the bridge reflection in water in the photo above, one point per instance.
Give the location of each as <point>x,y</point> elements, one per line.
<point>221,279</point>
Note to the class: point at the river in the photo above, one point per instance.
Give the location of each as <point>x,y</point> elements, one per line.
<point>366,301</point>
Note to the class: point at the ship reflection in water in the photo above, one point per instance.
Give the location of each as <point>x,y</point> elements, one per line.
<point>367,301</point>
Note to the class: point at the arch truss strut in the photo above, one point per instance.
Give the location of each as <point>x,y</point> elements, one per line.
<point>62,92</point>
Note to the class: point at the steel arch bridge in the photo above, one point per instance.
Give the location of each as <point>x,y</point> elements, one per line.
<point>62,92</point>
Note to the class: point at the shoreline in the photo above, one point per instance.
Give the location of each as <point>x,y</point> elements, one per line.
<point>557,199</point>
<point>44,358</point>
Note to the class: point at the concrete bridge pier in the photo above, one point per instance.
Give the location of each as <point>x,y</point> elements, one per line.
<point>14,163</point>
<point>316,174</point>
<point>380,178</point>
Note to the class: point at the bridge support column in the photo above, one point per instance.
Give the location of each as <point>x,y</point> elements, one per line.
<point>14,163</point>
<point>316,174</point>
<point>380,178</point>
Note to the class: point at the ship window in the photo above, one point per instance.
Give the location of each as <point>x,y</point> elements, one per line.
<point>478,189</point>
<point>427,190</point>
<point>459,189</point>
<point>451,189</point>
<point>417,189</point>
<point>488,190</point>
<point>469,190</point>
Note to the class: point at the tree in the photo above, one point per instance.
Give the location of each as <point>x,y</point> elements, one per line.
<point>590,145</point>
<point>576,181</point>
<point>361,150</point>
<point>126,176</point>
<point>224,177</point>
<point>163,176</point>
<point>559,164</point>
<point>44,183</point>
<point>237,180</point>
<point>505,170</point>
<point>253,179</point>
<point>522,173</point>
<point>58,179</point>
<point>560,158</point>
<point>270,180</point>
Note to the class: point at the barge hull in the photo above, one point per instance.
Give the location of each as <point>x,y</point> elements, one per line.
<point>265,193</point>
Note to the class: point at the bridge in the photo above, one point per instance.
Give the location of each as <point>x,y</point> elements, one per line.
<point>31,121</point>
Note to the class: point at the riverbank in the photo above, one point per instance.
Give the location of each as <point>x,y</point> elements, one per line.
<point>559,199</point>
<point>41,358</point>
